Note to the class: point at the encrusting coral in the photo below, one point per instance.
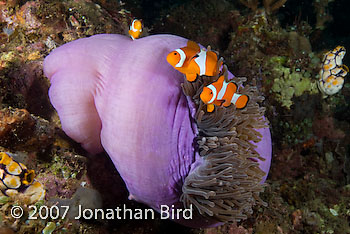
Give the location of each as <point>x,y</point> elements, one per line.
<point>288,82</point>
<point>21,130</point>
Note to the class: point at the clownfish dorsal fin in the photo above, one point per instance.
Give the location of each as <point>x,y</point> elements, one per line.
<point>235,86</point>
<point>221,79</point>
<point>193,45</point>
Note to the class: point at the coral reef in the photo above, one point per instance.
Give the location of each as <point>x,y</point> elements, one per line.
<point>269,5</point>
<point>322,14</point>
<point>308,187</point>
<point>30,30</point>
<point>288,82</point>
<point>20,130</point>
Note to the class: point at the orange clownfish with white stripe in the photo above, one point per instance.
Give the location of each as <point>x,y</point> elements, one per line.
<point>135,29</point>
<point>193,61</point>
<point>222,93</point>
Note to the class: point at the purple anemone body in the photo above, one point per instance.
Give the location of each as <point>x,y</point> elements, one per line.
<point>121,95</point>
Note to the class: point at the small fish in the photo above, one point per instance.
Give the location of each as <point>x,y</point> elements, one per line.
<point>333,71</point>
<point>193,61</point>
<point>180,58</point>
<point>135,29</point>
<point>222,93</point>
<point>16,179</point>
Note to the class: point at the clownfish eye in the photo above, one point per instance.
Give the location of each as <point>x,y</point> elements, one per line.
<point>175,53</point>
<point>211,92</point>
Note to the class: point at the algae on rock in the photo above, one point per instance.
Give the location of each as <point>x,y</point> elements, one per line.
<point>289,82</point>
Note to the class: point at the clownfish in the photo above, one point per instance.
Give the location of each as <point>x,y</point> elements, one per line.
<point>180,58</point>
<point>193,61</point>
<point>333,71</point>
<point>222,93</point>
<point>135,29</point>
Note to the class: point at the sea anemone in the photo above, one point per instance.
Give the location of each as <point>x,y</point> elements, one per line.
<point>227,183</point>
<point>122,96</point>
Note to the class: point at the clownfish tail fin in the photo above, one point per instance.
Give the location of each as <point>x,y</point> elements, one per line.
<point>242,101</point>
